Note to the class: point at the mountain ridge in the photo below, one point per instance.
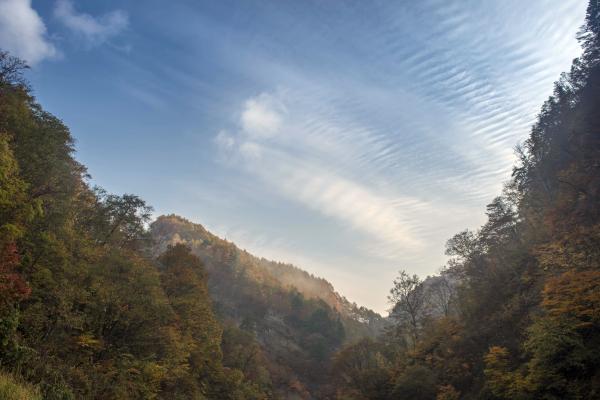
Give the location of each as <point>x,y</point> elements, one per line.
<point>173,229</point>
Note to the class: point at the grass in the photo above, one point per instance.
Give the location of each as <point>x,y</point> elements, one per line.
<point>13,389</point>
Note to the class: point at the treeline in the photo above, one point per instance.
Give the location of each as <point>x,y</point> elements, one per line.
<point>520,314</point>
<point>85,311</point>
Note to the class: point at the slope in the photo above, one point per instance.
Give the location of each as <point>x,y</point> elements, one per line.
<point>299,320</point>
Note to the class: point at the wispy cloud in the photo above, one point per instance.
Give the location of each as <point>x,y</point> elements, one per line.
<point>23,32</point>
<point>145,96</point>
<point>224,140</point>
<point>262,116</point>
<point>301,165</point>
<point>407,149</point>
<point>94,30</point>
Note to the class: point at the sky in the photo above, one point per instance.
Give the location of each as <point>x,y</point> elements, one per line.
<point>350,138</point>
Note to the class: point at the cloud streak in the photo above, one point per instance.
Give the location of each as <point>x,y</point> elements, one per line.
<point>94,30</point>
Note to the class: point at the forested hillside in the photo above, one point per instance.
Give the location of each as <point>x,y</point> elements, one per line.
<point>222,258</point>
<point>521,294</point>
<point>85,311</point>
<point>298,320</point>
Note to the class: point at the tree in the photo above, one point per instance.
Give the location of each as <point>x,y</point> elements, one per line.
<point>363,371</point>
<point>462,246</point>
<point>564,342</point>
<point>11,71</point>
<point>415,383</point>
<point>408,299</point>
<point>183,280</point>
<point>241,351</point>
<point>440,294</point>
<point>589,36</point>
<point>124,219</point>
<point>447,392</point>
<point>14,213</point>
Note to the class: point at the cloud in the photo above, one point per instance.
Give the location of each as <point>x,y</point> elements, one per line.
<point>355,204</point>
<point>412,133</point>
<point>23,33</point>
<point>251,150</point>
<point>94,30</point>
<point>224,140</point>
<point>300,166</point>
<point>262,116</point>
<point>145,96</point>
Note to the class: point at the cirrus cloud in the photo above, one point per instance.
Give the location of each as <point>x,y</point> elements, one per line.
<point>94,30</point>
<point>302,168</point>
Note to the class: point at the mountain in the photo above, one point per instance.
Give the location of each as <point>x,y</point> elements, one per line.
<point>298,319</point>
<point>173,229</point>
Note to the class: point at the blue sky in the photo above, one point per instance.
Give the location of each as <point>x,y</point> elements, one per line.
<point>351,138</point>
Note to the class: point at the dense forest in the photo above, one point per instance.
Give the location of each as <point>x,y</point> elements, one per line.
<point>99,302</point>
